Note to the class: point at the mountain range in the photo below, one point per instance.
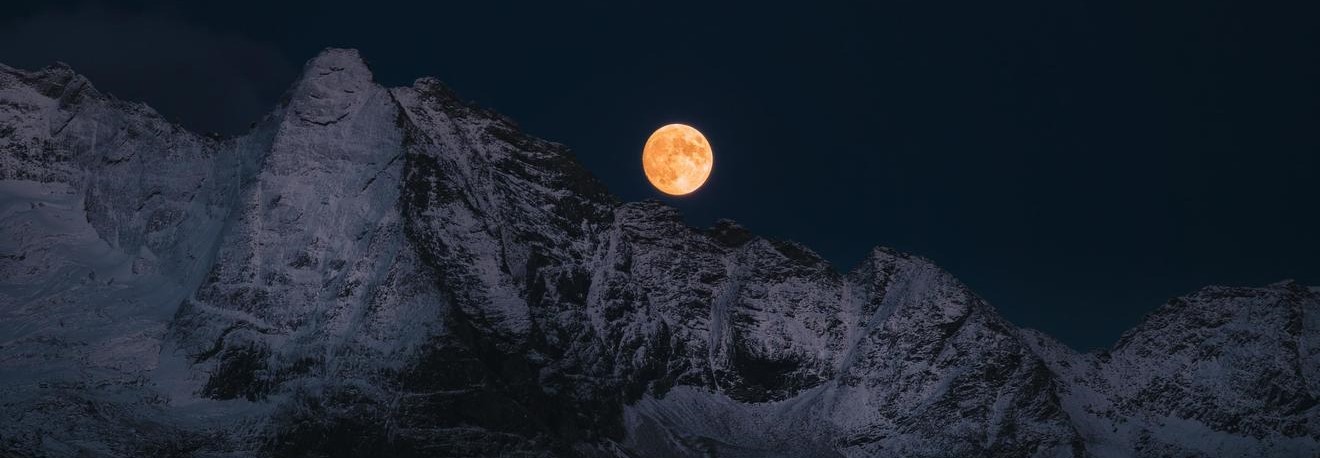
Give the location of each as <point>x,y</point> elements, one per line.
<point>375,271</point>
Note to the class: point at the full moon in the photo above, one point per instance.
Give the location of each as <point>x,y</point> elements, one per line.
<point>677,159</point>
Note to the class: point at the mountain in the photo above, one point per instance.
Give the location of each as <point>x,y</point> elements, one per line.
<point>378,271</point>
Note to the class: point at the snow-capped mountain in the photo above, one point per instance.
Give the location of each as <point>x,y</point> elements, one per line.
<point>378,271</point>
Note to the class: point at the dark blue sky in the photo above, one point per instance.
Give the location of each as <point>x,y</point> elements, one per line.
<point>1077,163</point>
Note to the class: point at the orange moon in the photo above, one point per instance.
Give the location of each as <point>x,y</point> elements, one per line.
<point>677,159</point>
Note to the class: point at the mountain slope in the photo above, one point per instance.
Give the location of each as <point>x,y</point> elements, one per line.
<point>395,271</point>
<point>1220,372</point>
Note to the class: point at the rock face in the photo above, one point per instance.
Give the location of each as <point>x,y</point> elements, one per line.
<point>395,272</point>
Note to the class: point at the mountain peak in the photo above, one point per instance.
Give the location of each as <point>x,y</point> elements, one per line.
<point>885,258</point>
<point>730,233</point>
<point>336,59</point>
<point>333,85</point>
<point>58,81</point>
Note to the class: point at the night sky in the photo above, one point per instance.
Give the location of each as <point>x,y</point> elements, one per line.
<point>1076,163</point>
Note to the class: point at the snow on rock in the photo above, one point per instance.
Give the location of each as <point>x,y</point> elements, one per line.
<point>374,271</point>
<point>109,217</point>
<point>1223,371</point>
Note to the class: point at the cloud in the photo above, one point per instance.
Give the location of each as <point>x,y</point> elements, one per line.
<point>207,81</point>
